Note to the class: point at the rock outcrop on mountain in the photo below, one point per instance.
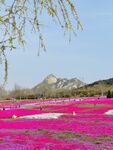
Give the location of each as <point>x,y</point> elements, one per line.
<point>52,82</point>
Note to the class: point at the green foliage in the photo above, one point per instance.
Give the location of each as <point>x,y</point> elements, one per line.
<point>15,15</point>
<point>109,94</point>
<point>112,94</point>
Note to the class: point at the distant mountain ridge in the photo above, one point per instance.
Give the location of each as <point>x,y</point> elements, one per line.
<point>100,86</point>
<point>52,86</point>
<point>105,82</point>
<point>52,82</point>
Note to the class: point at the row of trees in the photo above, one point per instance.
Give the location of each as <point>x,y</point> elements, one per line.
<point>24,93</point>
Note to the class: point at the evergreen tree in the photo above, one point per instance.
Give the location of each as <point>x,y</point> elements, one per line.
<point>109,94</point>
<point>112,94</point>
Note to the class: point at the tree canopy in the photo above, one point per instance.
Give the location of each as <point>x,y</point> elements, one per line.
<point>15,15</point>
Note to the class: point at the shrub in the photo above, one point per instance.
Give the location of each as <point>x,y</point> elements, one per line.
<point>109,94</point>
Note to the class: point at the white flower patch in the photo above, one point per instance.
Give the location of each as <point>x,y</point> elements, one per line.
<point>109,112</point>
<point>42,116</point>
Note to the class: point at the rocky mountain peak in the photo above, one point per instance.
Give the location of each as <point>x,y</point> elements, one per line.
<point>52,82</point>
<point>50,79</point>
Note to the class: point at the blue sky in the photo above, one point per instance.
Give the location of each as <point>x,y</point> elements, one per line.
<point>89,56</point>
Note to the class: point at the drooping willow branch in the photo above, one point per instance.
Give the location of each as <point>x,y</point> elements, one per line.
<point>15,15</point>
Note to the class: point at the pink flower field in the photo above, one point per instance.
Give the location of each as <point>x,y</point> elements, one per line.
<point>83,125</point>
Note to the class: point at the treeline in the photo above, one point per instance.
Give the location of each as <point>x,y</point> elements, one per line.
<point>20,93</point>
